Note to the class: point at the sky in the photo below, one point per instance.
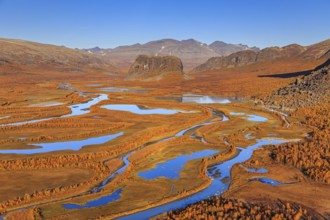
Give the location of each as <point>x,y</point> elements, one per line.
<point>111,23</point>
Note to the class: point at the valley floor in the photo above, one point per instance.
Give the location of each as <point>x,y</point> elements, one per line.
<point>128,162</point>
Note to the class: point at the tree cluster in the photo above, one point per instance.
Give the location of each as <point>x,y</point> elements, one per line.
<point>311,156</point>
<point>218,207</point>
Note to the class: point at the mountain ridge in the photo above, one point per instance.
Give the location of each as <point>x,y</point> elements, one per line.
<point>247,57</point>
<point>38,55</point>
<point>190,51</point>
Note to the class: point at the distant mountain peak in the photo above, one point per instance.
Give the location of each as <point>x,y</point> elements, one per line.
<point>218,43</point>
<point>190,41</point>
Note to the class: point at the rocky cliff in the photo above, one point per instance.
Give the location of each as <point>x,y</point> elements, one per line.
<point>154,67</point>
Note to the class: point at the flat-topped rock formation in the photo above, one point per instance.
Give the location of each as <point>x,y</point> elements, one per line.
<point>155,67</point>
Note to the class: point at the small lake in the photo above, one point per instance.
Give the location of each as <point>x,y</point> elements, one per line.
<point>139,110</point>
<point>171,168</point>
<point>202,99</point>
<point>256,118</point>
<point>258,170</point>
<point>250,117</point>
<point>97,202</point>
<point>266,181</point>
<point>58,146</point>
<point>119,89</point>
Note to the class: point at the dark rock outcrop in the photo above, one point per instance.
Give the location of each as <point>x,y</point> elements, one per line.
<point>310,90</point>
<point>233,60</point>
<point>154,67</point>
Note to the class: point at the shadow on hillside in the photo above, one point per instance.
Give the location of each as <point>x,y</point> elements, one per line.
<point>287,75</point>
<point>295,74</point>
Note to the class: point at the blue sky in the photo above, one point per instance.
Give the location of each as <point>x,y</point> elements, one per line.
<point>110,23</point>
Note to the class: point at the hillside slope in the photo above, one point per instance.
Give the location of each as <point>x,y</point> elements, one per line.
<point>36,55</point>
<point>271,54</point>
<point>310,90</point>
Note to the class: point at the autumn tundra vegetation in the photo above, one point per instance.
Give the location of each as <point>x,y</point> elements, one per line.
<point>271,94</point>
<point>218,207</point>
<point>312,155</point>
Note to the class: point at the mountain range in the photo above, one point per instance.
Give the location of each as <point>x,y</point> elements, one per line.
<point>191,52</point>
<point>194,55</point>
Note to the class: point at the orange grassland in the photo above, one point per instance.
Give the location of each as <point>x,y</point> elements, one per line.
<point>48,180</point>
